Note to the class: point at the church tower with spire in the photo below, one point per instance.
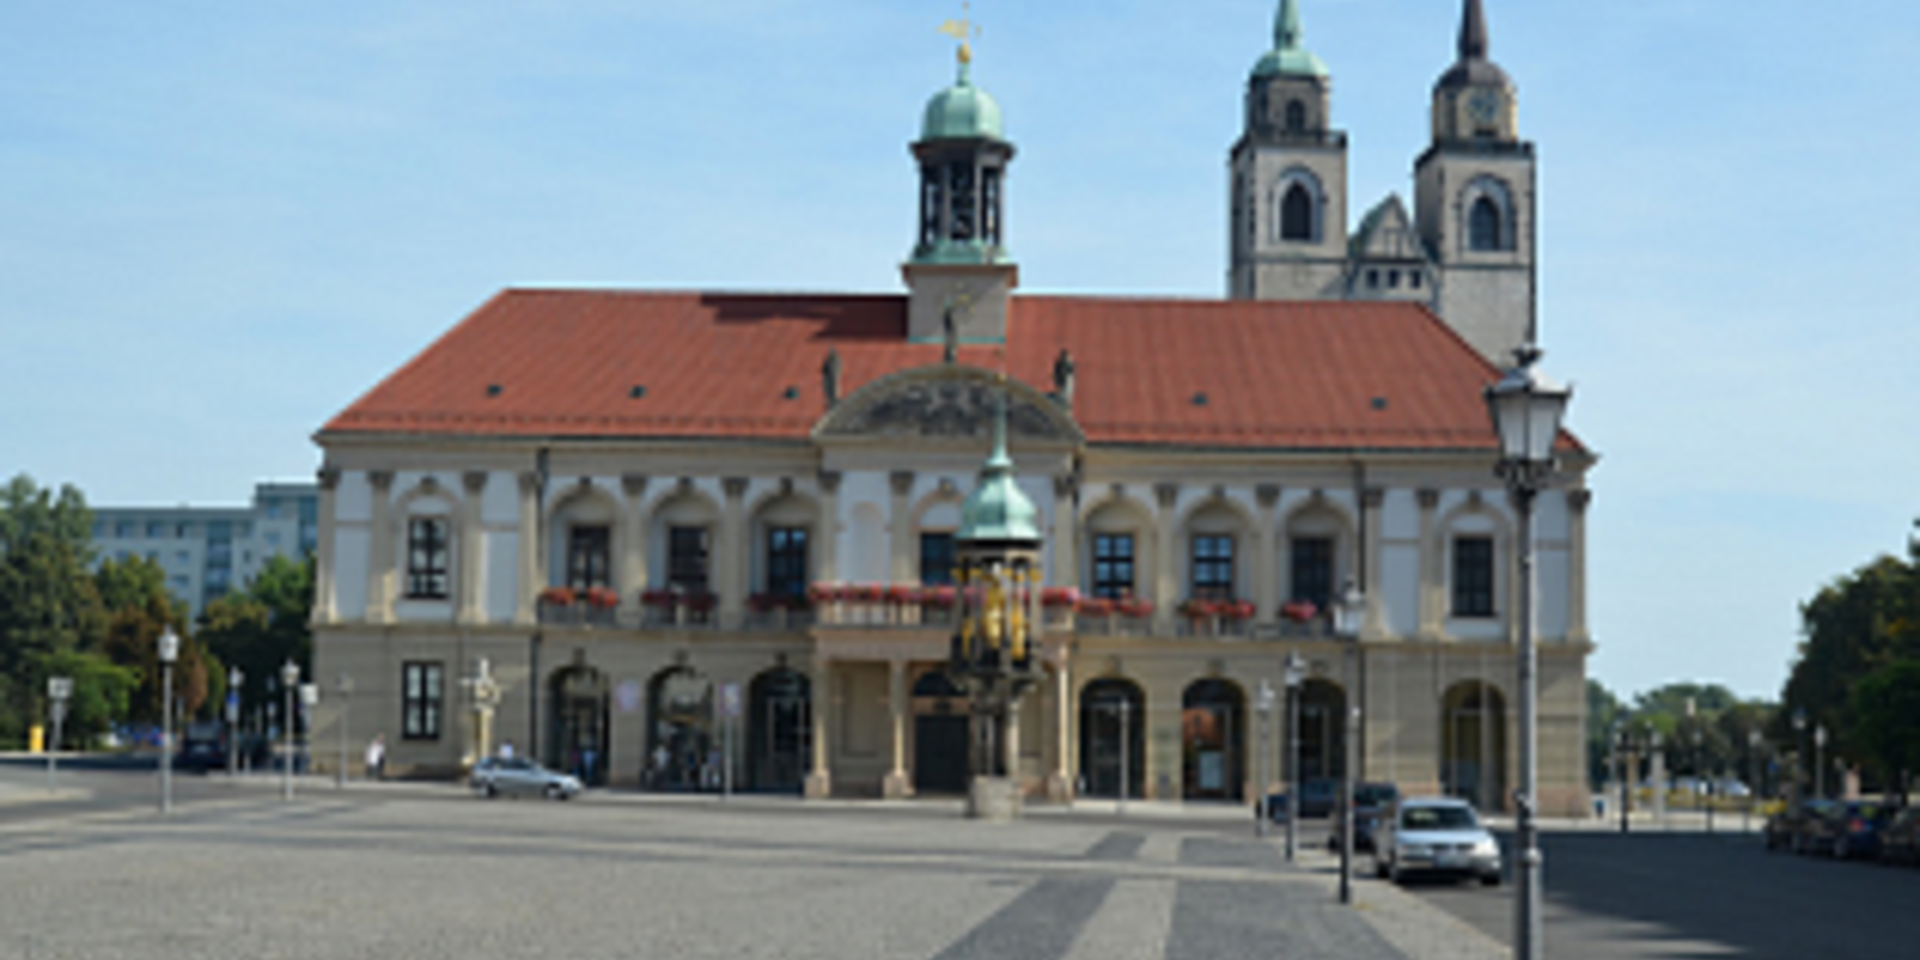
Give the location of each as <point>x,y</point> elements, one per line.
<point>1475,197</point>
<point>1288,222</point>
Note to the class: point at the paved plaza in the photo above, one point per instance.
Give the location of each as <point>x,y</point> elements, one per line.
<point>429,873</point>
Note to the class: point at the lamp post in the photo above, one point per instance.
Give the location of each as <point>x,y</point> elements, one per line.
<point>234,679</point>
<point>1820,760</point>
<point>1263,706</point>
<point>1346,623</point>
<point>1526,409</point>
<point>1800,750</point>
<point>289,679</point>
<point>345,688</point>
<point>1753,779</point>
<point>1293,673</point>
<point>1125,707</point>
<point>169,651</point>
<point>59,689</point>
<point>1623,759</point>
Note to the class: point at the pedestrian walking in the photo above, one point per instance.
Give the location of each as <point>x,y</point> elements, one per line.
<point>377,757</point>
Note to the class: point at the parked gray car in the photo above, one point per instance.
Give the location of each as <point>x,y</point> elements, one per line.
<point>1435,835</point>
<point>495,777</point>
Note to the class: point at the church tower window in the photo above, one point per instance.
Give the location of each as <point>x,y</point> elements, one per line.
<point>1483,226</point>
<point>1296,117</point>
<point>1296,214</point>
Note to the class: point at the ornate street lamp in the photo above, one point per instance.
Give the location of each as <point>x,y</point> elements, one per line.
<point>1346,624</point>
<point>1527,409</point>
<point>289,679</point>
<point>993,650</point>
<point>1293,674</point>
<point>1263,707</point>
<point>169,652</point>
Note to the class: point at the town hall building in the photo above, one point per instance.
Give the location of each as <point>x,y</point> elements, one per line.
<point>671,539</point>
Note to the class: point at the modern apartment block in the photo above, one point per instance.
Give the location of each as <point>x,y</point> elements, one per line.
<point>207,551</point>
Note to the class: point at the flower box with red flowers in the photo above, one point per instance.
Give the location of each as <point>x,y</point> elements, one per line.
<point>602,598</point>
<point>825,592</point>
<point>1138,609</point>
<point>866,593</point>
<point>940,598</point>
<point>557,596</point>
<point>1200,609</point>
<point>1298,611</point>
<point>1059,597</point>
<point>1235,610</point>
<point>1096,607</point>
<point>657,599</point>
<point>902,595</point>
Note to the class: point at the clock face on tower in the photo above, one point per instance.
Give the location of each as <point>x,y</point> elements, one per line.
<point>1483,107</point>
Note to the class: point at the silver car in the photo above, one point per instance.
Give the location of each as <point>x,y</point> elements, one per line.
<point>1438,836</point>
<point>493,777</point>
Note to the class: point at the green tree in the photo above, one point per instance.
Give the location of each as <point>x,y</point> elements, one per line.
<point>1886,704</point>
<point>132,641</point>
<point>264,625</point>
<point>102,693</point>
<point>1603,711</point>
<point>49,605</point>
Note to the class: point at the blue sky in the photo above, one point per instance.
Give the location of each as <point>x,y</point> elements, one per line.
<point>221,222</point>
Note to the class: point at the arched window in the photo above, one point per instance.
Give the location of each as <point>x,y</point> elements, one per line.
<point>1296,214</point>
<point>1483,226</point>
<point>1296,117</point>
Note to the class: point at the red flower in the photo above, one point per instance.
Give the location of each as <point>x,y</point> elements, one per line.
<point>557,596</point>
<point>1096,606</point>
<point>901,594</point>
<point>1199,609</point>
<point>825,592</point>
<point>941,597</point>
<point>1236,610</point>
<point>1299,611</point>
<point>1136,608</point>
<point>1059,596</point>
<point>657,598</point>
<point>602,598</point>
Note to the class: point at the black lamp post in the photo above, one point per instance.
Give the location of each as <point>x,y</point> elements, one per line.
<point>1346,617</point>
<point>1527,409</point>
<point>169,652</point>
<point>1294,673</point>
<point>289,679</point>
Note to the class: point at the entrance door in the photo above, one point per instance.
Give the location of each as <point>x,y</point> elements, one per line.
<point>579,724</point>
<point>1211,741</point>
<point>940,735</point>
<point>1112,747</point>
<point>681,753</point>
<point>779,732</point>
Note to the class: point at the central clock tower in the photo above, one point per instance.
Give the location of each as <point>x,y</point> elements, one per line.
<point>1475,199</point>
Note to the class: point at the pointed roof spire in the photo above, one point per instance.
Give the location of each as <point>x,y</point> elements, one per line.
<point>1288,57</point>
<point>998,510</point>
<point>1473,32</point>
<point>1286,26</point>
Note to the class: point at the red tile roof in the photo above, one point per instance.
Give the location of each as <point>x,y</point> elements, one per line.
<point>566,363</point>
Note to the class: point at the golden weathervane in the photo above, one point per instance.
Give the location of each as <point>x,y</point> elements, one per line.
<point>963,30</point>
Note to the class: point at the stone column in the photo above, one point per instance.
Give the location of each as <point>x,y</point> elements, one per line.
<point>631,578</point>
<point>1374,623</point>
<point>1577,501</point>
<point>1431,573</point>
<point>326,557</point>
<point>380,549</point>
<point>473,575</point>
<point>896,784</point>
<point>1060,782</point>
<point>735,550</point>
<point>900,526</point>
<point>819,783</point>
<point>1065,541</point>
<point>532,578</point>
<point>1166,586</point>
<point>1266,575</point>
<point>829,526</point>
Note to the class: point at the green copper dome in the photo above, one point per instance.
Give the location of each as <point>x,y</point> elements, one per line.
<point>997,509</point>
<point>962,112</point>
<point>1288,57</point>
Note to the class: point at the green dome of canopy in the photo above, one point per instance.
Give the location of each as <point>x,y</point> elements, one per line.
<point>1288,57</point>
<point>962,112</point>
<point>998,509</point>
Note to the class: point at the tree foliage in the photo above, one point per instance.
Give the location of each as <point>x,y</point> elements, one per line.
<point>49,605</point>
<point>263,626</point>
<point>1860,626</point>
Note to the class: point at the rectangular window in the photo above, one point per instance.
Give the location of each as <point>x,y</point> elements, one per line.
<point>589,557</point>
<point>1212,567</point>
<point>1473,576</point>
<point>156,530</point>
<point>427,558</point>
<point>420,700</point>
<point>181,530</point>
<point>1113,565</point>
<point>687,559</point>
<point>936,559</point>
<point>1312,571</point>
<point>124,529</point>
<point>787,561</point>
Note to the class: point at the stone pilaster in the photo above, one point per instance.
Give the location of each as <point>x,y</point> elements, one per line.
<point>1065,541</point>
<point>735,554</point>
<point>472,572</point>
<point>1266,576</point>
<point>1432,561</point>
<point>532,578</point>
<point>326,558</point>
<point>900,550</point>
<point>631,578</point>
<point>380,549</point>
<point>1577,501</point>
<point>896,784</point>
<point>1166,582</point>
<point>819,783</point>
<point>829,526</point>
<point>1060,775</point>
<point>1374,623</point>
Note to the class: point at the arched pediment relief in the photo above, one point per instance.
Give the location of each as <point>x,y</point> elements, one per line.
<point>947,402</point>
